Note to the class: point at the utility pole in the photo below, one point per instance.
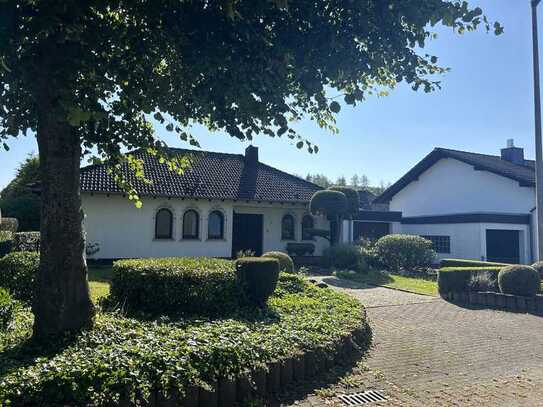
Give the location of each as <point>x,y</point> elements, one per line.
<point>538,148</point>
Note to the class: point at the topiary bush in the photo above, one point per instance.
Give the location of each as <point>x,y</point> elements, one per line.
<point>519,280</point>
<point>175,286</point>
<point>344,257</point>
<point>258,278</point>
<point>539,268</point>
<point>333,205</point>
<point>9,225</point>
<point>286,264</point>
<point>6,242</point>
<point>460,279</point>
<point>26,242</point>
<point>7,309</point>
<point>405,252</point>
<point>469,263</point>
<point>300,249</point>
<point>18,271</point>
<point>353,199</point>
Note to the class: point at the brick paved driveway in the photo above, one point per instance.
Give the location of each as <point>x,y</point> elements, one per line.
<point>427,352</point>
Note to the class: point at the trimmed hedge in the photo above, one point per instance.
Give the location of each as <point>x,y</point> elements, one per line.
<point>26,242</point>
<point>185,286</point>
<point>457,279</point>
<point>18,271</point>
<point>469,263</point>
<point>344,257</point>
<point>519,280</point>
<point>7,309</point>
<point>6,242</point>
<point>300,249</point>
<point>258,278</point>
<point>539,268</point>
<point>407,252</point>
<point>286,264</point>
<point>121,354</point>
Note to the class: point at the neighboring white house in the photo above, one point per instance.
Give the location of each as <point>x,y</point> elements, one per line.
<point>472,206</point>
<point>222,204</point>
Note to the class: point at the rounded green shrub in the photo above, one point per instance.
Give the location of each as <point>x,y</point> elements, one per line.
<point>353,199</point>
<point>519,280</point>
<point>290,284</point>
<point>286,264</point>
<point>329,203</point>
<point>539,268</point>
<point>175,286</point>
<point>7,308</point>
<point>344,257</point>
<point>18,271</point>
<point>6,242</point>
<point>404,252</point>
<point>258,277</point>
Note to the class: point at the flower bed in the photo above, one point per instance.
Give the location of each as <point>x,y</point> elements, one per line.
<point>254,352</point>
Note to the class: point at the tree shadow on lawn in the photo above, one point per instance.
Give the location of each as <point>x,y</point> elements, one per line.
<point>25,353</point>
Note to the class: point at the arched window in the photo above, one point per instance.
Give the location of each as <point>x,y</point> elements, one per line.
<point>191,222</point>
<point>163,224</point>
<point>307,225</point>
<point>215,225</point>
<point>287,227</point>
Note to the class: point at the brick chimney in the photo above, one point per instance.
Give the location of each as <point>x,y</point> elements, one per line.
<point>513,154</point>
<point>251,155</point>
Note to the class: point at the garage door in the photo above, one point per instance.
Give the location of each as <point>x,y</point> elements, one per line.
<point>503,246</point>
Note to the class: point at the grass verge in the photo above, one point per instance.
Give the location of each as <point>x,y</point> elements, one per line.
<point>379,278</point>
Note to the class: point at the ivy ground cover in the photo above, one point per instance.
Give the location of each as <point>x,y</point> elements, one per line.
<point>126,358</point>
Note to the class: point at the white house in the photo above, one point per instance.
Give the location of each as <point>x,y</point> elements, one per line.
<point>222,204</point>
<point>472,206</point>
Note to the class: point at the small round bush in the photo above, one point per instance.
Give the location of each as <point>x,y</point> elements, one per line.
<point>7,308</point>
<point>344,257</point>
<point>405,252</point>
<point>18,272</point>
<point>6,242</point>
<point>539,268</point>
<point>519,280</point>
<point>286,264</point>
<point>258,278</point>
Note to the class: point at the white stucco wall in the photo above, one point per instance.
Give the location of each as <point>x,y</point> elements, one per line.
<point>451,186</point>
<point>468,240</point>
<point>123,231</point>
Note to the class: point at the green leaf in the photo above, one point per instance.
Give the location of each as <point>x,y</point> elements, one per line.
<point>335,107</point>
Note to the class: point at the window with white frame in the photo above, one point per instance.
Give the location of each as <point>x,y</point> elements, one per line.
<point>442,244</point>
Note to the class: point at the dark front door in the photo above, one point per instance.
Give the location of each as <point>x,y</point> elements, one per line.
<point>247,233</point>
<point>370,230</point>
<point>503,246</point>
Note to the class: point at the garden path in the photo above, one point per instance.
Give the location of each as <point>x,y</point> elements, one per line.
<point>428,352</point>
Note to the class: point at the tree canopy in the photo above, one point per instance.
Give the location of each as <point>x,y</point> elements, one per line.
<point>89,76</point>
<point>17,200</point>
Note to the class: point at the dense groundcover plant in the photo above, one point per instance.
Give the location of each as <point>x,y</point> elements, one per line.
<point>123,353</point>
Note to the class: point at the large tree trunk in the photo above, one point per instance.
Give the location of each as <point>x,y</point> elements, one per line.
<point>62,303</point>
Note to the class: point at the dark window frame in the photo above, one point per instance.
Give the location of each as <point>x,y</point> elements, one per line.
<point>440,243</point>
<point>221,217</point>
<point>304,227</point>
<point>191,236</point>
<point>170,231</point>
<point>292,235</point>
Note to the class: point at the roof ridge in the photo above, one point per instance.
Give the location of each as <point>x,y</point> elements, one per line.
<point>482,154</point>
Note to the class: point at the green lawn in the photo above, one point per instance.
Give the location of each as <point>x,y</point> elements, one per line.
<point>99,278</point>
<point>414,285</point>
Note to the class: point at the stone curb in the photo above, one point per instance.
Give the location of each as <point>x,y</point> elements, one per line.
<point>516,303</point>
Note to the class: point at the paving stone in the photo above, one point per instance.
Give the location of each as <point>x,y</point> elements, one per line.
<point>428,352</point>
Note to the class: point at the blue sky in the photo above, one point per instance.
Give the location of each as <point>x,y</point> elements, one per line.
<point>485,99</point>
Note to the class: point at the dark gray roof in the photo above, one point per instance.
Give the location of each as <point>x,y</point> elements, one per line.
<point>524,174</point>
<point>211,176</point>
<point>366,198</point>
